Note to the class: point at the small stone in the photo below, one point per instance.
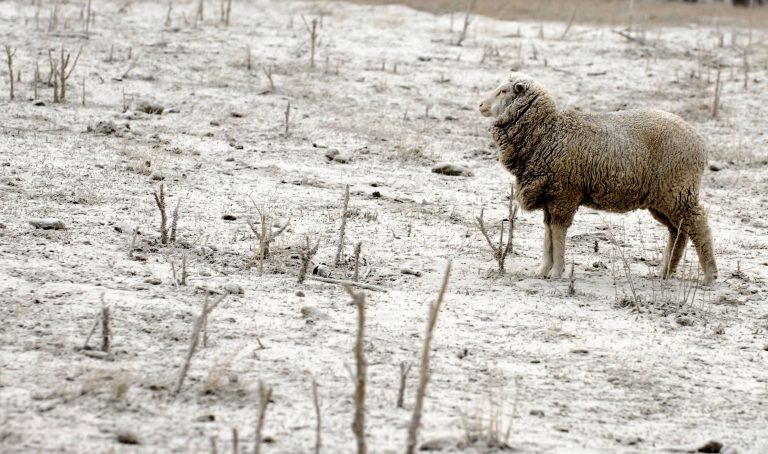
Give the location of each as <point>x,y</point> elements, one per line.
<point>717,166</point>
<point>150,107</point>
<point>229,217</point>
<point>124,227</point>
<point>300,294</point>
<point>322,271</point>
<point>39,102</point>
<point>765,347</point>
<point>230,159</point>
<point>153,280</point>
<point>684,321</point>
<point>629,440</point>
<point>234,289</point>
<point>236,115</point>
<point>712,446</point>
<point>338,156</point>
<point>215,123</point>
<point>536,412</point>
<point>205,418</point>
<point>410,272</point>
<point>376,194</point>
<point>312,313</point>
<point>157,176</point>
<point>2,226</point>
<point>580,351</point>
<point>453,170</point>
<point>47,224</point>
<point>127,438</point>
<point>563,429</point>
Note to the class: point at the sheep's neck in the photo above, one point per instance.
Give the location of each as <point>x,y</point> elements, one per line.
<point>522,143</point>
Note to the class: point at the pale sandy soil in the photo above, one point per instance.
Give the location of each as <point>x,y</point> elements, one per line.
<point>576,373</point>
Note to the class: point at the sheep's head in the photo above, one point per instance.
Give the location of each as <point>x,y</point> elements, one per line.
<point>512,99</point>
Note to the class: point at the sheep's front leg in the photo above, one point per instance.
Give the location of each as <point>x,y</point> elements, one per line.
<point>562,216</point>
<point>546,250</point>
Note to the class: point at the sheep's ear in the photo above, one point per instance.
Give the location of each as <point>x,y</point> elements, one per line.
<point>519,88</point>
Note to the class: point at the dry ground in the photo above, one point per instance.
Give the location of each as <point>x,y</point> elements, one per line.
<point>580,372</point>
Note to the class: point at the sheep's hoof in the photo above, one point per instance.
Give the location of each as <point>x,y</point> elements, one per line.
<point>543,271</point>
<point>556,272</point>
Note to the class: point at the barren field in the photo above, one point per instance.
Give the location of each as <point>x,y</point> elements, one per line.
<point>610,360</point>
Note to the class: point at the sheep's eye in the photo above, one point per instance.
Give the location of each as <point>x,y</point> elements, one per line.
<point>503,91</point>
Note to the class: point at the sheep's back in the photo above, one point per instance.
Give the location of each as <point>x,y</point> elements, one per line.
<point>630,159</point>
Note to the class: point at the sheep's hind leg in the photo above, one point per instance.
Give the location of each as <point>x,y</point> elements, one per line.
<point>546,254</point>
<point>676,243</point>
<point>695,223</point>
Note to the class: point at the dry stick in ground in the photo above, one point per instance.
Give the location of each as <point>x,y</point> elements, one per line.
<point>401,390</point>
<point>265,394</point>
<point>312,39</point>
<point>716,97</point>
<point>37,79</point>
<point>306,253</point>
<point>235,441</point>
<point>358,423</point>
<point>183,270</point>
<point>268,72</point>
<point>570,20</point>
<point>167,16</point>
<point>195,340</point>
<point>88,20</point>
<point>63,73</point>
<point>265,234</point>
<point>10,54</point>
<point>343,228</point>
<point>287,118</point>
<point>572,281</point>
<point>199,12</point>
<point>501,250</point>
<point>434,310</point>
<point>625,265</point>
<point>167,235</point>
<point>133,244</point>
<point>227,9</point>
<point>318,426</point>
<point>358,249</point>
<point>467,21</point>
<point>83,100</point>
<point>105,331</point>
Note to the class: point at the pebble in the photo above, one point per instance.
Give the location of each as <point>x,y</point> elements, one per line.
<point>717,166</point>
<point>712,446</point>
<point>453,170</point>
<point>234,289</point>
<point>410,272</point>
<point>47,224</point>
<point>127,438</point>
<point>229,217</point>
<point>300,294</point>
<point>312,313</point>
<point>157,176</point>
<point>338,156</point>
<point>153,280</point>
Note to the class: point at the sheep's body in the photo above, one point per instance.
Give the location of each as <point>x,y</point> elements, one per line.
<point>621,161</point>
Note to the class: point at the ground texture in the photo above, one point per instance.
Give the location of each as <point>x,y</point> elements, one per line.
<point>390,96</point>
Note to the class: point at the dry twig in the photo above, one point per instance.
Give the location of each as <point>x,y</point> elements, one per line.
<point>195,339</point>
<point>343,228</point>
<point>501,251</point>
<point>265,395</point>
<point>358,424</point>
<point>424,372</point>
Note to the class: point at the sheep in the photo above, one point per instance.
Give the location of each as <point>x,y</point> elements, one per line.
<point>618,162</point>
